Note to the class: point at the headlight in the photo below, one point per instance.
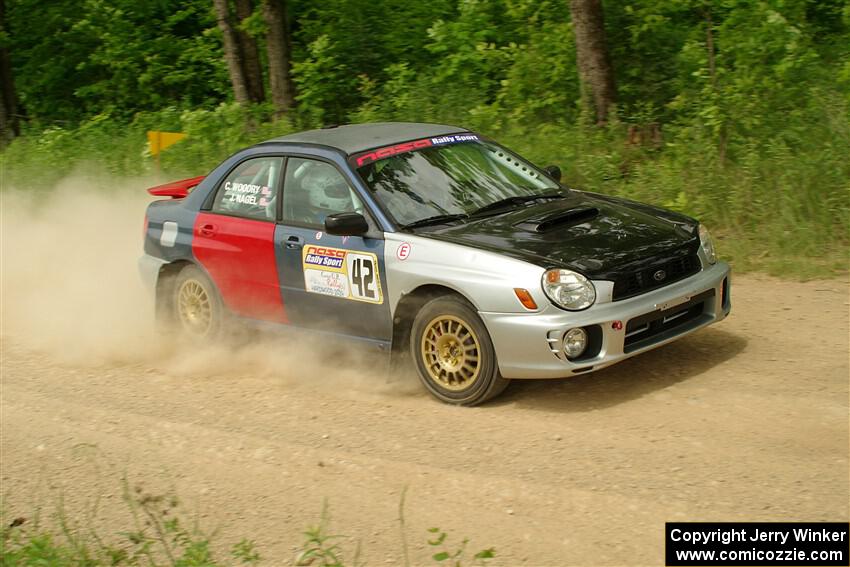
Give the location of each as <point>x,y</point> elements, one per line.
<point>707,244</point>
<point>568,289</point>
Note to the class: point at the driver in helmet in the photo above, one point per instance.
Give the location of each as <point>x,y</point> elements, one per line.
<point>326,193</point>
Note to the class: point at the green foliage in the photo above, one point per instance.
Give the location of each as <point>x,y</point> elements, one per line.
<point>548,55</point>
<point>148,56</point>
<point>215,134</point>
<point>471,59</point>
<point>341,43</point>
<point>245,552</point>
<point>757,87</point>
<point>732,111</point>
<point>46,49</point>
<point>325,85</point>
<point>103,145</point>
<point>783,210</point>
<point>455,557</point>
<point>159,536</point>
<point>319,547</point>
<point>39,160</point>
<point>73,60</point>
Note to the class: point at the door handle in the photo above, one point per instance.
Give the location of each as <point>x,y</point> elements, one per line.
<point>294,242</point>
<point>207,229</point>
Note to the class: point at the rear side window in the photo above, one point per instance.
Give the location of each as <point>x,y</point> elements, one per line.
<point>250,190</point>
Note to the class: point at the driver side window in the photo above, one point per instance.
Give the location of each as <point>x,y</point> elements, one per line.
<point>313,189</point>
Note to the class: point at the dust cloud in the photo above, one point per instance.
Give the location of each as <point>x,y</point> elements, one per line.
<point>71,289</point>
<point>69,278</point>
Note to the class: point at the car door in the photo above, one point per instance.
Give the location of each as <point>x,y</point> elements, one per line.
<point>234,240</point>
<point>331,283</point>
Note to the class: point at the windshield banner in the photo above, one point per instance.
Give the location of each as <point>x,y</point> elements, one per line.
<point>363,158</point>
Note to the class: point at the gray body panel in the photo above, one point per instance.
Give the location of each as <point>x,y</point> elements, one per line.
<point>486,279</point>
<point>149,270</point>
<point>354,138</point>
<point>522,338</point>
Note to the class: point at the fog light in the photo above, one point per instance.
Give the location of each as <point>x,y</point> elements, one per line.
<point>575,341</point>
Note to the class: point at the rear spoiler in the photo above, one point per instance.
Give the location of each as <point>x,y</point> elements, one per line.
<point>176,189</point>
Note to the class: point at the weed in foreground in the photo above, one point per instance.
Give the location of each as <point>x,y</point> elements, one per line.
<point>319,548</point>
<point>455,557</point>
<point>159,536</point>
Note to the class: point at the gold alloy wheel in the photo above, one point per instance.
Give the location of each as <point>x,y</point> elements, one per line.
<point>193,307</point>
<point>451,352</point>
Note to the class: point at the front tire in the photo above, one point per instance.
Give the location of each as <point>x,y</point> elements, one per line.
<point>453,353</point>
<point>197,308</point>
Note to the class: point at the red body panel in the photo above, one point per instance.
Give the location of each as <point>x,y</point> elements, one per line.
<point>176,189</point>
<point>239,256</point>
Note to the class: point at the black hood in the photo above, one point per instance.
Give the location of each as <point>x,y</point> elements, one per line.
<point>601,237</point>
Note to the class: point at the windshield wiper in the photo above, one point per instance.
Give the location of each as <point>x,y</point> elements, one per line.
<point>436,219</point>
<point>510,202</point>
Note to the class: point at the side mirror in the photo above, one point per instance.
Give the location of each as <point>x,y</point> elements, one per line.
<point>553,171</point>
<point>346,224</point>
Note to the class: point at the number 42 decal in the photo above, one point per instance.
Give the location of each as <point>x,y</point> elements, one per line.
<point>364,278</point>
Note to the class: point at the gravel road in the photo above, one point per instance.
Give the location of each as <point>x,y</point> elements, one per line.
<point>746,420</point>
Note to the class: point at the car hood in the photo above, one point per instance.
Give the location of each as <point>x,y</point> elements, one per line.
<point>599,236</point>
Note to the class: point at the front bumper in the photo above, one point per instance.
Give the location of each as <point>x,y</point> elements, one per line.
<point>528,345</point>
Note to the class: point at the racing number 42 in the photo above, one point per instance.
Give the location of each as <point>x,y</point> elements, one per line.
<point>363,277</point>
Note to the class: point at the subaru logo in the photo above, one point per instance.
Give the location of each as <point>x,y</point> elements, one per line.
<point>659,275</point>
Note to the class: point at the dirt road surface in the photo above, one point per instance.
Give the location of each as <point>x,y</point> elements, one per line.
<point>746,420</point>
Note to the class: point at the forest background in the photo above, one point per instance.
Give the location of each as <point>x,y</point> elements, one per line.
<point>734,111</point>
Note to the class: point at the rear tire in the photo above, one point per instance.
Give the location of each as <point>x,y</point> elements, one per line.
<point>453,353</point>
<point>197,308</point>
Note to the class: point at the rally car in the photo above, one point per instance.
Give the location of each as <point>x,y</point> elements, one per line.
<point>433,241</point>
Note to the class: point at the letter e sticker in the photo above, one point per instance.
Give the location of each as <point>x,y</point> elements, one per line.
<point>403,251</point>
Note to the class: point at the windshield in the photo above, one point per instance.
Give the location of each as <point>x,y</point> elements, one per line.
<point>457,179</point>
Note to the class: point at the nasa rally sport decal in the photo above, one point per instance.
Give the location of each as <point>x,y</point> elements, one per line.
<point>380,153</point>
<point>347,274</point>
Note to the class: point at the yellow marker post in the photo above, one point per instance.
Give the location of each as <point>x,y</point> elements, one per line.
<point>158,141</point>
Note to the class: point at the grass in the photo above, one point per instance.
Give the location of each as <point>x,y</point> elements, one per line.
<point>160,535</point>
<point>771,207</point>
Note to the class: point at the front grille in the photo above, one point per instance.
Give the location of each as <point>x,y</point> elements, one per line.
<point>657,326</point>
<point>644,280</point>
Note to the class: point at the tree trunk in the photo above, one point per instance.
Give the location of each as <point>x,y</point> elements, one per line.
<point>232,55</point>
<point>9,127</point>
<point>277,42</point>
<point>594,63</point>
<point>250,55</point>
<point>712,74</point>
